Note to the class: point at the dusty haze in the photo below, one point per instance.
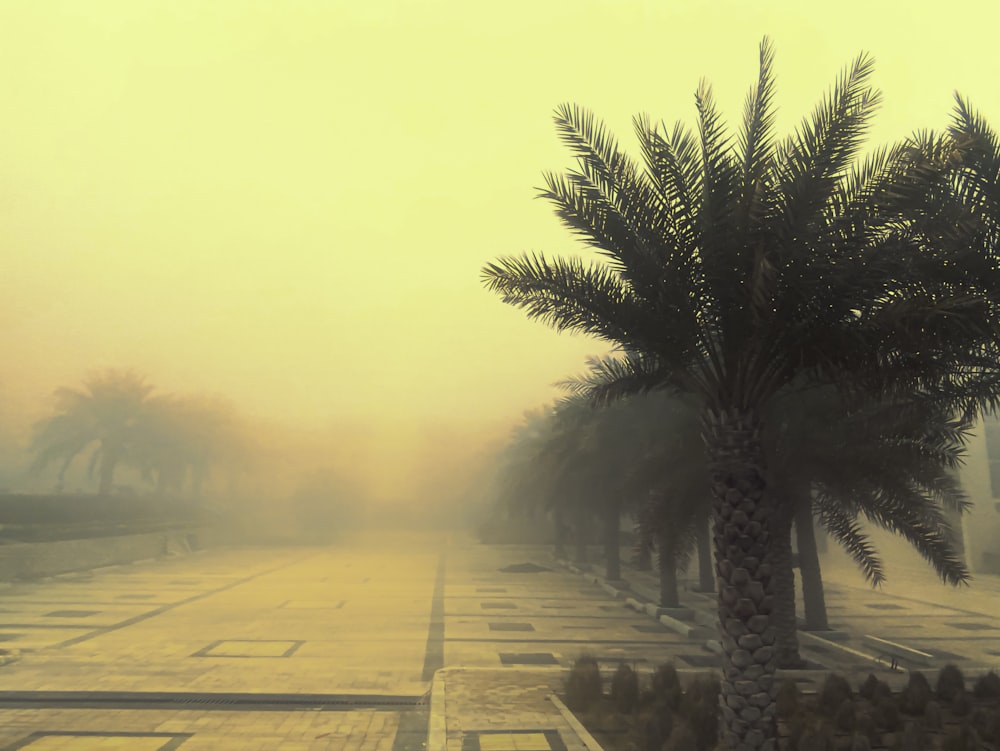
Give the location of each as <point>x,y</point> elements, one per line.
<point>289,203</point>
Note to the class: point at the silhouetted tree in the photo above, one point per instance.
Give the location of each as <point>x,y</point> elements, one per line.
<point>735,270</point>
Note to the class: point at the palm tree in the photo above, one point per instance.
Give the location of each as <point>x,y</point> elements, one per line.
<point>181,439</point>
<point>106,415</point>
<point>734,270</point>
<point>891,464</point>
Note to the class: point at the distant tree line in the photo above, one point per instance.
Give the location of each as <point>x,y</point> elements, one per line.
<point>115,419</point>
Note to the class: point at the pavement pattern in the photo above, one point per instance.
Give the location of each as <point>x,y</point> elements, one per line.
<point>394,643</point>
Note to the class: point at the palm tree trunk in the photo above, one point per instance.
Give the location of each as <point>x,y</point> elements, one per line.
<point>612,551</point>
<point>813,599</point>
<point>783,584</point>
<point>706,582</point>
<point>643,556</point>
<point>741,518</point>
<point>107,471</point>
<point>581,538</point>
<point>559,532</point>
<point>666,555</point>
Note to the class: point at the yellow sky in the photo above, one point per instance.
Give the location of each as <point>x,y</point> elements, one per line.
<point>290,201</point>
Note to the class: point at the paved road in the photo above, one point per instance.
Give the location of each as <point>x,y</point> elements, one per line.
<point>299,648</point>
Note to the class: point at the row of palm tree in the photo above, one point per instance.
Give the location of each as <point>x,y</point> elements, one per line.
<point>740,270</point>
<point>892,467</point>
<point>116,419</point>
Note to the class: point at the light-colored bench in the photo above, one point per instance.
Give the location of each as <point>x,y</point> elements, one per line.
<point>896,652</point>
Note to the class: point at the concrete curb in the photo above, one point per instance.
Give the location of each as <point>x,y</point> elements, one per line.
<point>437,721</point>
<point>581,732</point>
<point>686,630</point>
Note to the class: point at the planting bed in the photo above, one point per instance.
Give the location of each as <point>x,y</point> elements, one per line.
<point>934,711</point>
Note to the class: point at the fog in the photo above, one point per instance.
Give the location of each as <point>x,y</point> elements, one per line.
<point>289,204</point>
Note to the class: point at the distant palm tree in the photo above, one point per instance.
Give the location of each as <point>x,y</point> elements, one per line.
<point>182,438</point>
<point>106,415</point>
<point>736,270</point>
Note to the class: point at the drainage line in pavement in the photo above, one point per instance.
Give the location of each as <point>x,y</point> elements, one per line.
<point>101,630</point>
<point>434,653</point>
<point>231,702</point>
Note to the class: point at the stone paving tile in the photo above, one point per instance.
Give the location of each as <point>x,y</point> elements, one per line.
<point>225,731</point>
<point>361,619</point>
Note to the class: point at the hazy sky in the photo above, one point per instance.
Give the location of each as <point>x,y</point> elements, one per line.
<point>290,201</point>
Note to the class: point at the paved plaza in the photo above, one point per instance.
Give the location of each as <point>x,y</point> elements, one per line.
<point>338,648</point>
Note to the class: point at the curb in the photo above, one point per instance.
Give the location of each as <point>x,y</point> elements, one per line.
<point>581,732</point>
<point>437,721</point>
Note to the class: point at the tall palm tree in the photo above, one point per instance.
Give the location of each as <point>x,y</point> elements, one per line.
<point>105,415</point>
<point>733,270</point>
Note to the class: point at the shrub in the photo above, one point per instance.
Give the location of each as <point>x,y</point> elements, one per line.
<point>917,693</point>
<point>787,698</point>
<point>657,729</point>
<point>866,725</point>
<point>682,739</point>
<point>703,691</point>
<point>867,689</point>
<point>950,682</point>
<point>860,742</point>
<point>932,715</point>
<point>846,719</point>
<point>667,685</point>
<point>704,721</point>
<point>886,715</point>
<point>625,689</point>
<point>583,686</point>
<point>913,738</point>
<point>961,704</point>
<point>988,686</point>
<point>963,739</point>
<point>983,723</point>
<point>834,692</point>
<point>816,735</point>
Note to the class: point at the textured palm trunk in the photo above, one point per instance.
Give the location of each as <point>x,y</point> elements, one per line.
<point>813,599</point>
<point>740,529</point>
<point>581,535</point>
<point>666,555</point>
<point>612,540</point>
<point>558,533</point>
<point>783,585</point>
<point>643,557</point>
<point>107,470</point>
<point>703,539</point>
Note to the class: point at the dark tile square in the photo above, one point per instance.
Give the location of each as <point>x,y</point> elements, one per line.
<point>650,628</point>
<point>10,637</point>
<point>809,665</point>
<point>884,606</point>
<point>943,655</point>
<point>702,661</point>
<point>247,648</point>
<point>91,739</point>
<point>71,613</point>
<point>620,660</point>
<point>513,740</point>
<point>498,606</point>
<point>528,658</point>
<point>511,627</point>
<point>557,607</point>
<point>973,626</point>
